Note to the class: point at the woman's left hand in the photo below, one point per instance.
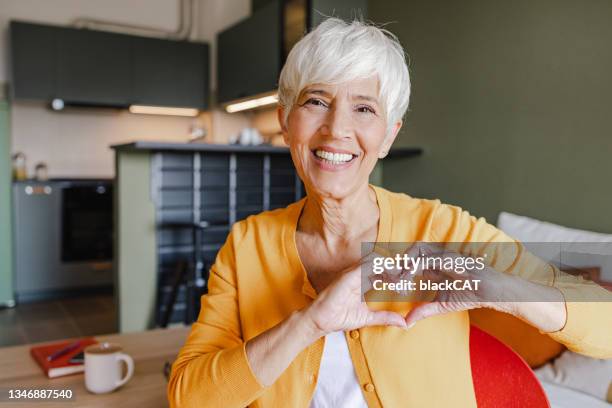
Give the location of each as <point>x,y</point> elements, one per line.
<point>539,305</point>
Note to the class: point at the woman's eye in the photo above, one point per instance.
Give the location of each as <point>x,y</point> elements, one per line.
<point>365,109</point>
<point>315,102</point>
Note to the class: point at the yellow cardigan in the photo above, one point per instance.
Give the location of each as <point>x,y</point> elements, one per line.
<point>258,280</point>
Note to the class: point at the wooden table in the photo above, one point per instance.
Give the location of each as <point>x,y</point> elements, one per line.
<point>147,388</point>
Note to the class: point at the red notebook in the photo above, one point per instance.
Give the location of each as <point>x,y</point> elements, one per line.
<point>61,365</point>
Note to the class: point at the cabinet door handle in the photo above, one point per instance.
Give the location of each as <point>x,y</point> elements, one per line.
<point>38,190</point>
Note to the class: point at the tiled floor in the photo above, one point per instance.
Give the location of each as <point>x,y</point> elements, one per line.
<point>51,320</point>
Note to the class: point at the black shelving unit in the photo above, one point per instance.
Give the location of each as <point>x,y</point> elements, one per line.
<point>216,189</point>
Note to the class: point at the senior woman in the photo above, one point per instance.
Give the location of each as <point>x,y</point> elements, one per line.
<point>283,323</point>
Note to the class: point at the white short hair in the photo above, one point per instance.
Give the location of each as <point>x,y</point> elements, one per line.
<point>337,51</point>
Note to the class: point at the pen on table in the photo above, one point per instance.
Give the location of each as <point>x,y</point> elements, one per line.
<point>64,351</point>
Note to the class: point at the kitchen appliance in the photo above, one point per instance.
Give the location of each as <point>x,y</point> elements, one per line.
<point>87,222</point>
<point>63,231</point>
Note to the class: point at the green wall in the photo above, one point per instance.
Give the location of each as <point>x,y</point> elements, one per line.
<point>512,102</point>
<point>6,248</point>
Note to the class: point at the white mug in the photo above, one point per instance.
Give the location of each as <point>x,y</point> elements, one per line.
<point>103,367</point>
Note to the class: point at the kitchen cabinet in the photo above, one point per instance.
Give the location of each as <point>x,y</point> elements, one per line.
<point>62,235</point>
<point>96,68</point>
<point>34,61</point>
<point>93,67</point>
<point>251,53</point>
<point>170,73</point>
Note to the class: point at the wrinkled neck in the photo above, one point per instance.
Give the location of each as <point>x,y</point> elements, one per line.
<point>338,221</point>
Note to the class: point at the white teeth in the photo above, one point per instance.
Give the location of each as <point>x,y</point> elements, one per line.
<point>335,158</point>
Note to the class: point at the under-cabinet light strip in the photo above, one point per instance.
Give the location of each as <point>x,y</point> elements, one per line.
<point>163,110</point>
<point>252,103</point>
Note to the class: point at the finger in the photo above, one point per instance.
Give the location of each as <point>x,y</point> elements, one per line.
<point>358,279</point>
<point>441,275</point>
<point>424,311</point>
<point>429,248</point>
<point>434,275</point>
<point>367,283</point>
<point>363,265</point>
<point>422,252</point>
<point>369,257</point>
<point>413,252</point>
<point>385,318</point>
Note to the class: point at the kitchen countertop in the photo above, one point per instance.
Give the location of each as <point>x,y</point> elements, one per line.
<point>199,147</point>
<point>72,180</point>
<point>209,147</point>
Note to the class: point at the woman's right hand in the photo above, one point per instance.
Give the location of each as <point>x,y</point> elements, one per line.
<point>340,306</point>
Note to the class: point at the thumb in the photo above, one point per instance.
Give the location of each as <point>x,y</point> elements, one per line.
<point>384,318</point>
<point>424,311</point>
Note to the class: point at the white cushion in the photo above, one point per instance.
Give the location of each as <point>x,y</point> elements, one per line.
<point>585,374</point>
<point>563,397</point>
<point>563,246</point>
<point>527,229</point>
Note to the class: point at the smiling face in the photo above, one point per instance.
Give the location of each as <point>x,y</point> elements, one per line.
<point>336,134</point>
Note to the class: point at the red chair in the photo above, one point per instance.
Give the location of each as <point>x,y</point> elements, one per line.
<point>502,379</point>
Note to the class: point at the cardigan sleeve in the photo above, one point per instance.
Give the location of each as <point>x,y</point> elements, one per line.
<point>588,326</point>
<point>212,369</point>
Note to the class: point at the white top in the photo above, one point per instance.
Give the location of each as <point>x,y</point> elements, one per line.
<point>337,385</point>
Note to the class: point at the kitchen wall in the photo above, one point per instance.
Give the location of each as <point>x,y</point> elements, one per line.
<point>75,142</point>
<point>511,101</point>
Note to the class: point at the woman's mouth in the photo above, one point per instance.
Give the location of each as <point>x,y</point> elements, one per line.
<point>333,160</point>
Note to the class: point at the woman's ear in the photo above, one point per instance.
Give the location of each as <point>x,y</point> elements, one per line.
<point>389,139</point>
<point>280,112</point>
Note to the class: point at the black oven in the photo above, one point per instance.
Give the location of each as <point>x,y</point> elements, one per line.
<point>87,221</point>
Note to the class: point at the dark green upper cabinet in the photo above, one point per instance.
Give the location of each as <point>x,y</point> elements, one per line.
<point>170,73</point>
<point>34,61</point>
<point>88,67</point>
<point>251,53</point>
<point>93,67</point>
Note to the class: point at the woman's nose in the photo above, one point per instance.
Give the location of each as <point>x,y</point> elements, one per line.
<point>339,123</point>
